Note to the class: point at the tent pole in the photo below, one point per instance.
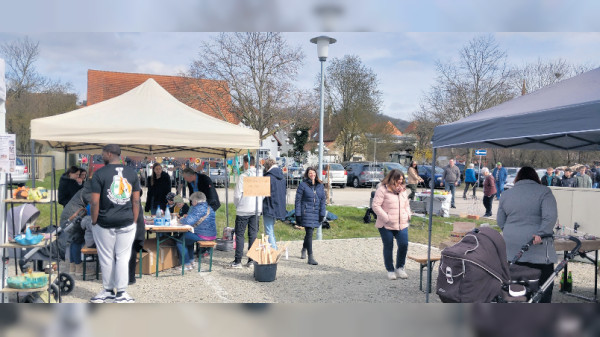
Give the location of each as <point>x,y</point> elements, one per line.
<point>33,168</point>
<point>432,182</point>
<point>65,159</point>
<point>226,189</point>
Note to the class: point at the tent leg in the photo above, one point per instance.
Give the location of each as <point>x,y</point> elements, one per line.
<point>33,168</point>
<point>432,182</point>
<point>226,189</point>
<point>66,159</point>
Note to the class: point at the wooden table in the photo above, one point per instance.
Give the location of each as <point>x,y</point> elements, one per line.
<point>168,232</point>
<point>586,246</point>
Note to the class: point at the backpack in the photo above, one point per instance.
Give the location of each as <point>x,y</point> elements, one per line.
<point>473,270</point>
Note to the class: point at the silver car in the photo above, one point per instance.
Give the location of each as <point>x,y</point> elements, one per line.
<point>21,174</point>
<point>338,175</point>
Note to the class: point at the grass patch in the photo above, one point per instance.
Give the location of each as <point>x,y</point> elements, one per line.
<point>47,182</point>
<point>350,225</point>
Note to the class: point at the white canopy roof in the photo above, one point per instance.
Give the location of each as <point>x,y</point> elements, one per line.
<point>146,120</point>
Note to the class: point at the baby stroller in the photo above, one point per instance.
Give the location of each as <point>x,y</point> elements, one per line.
<point>27,215</point>
<point>476,270</point>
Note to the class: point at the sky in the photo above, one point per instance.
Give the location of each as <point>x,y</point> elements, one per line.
<point>403,62</point>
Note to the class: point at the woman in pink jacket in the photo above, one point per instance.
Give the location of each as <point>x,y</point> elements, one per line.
<point>393,214</point>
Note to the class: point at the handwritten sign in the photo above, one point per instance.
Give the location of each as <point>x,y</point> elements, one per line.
<point>257,186</point>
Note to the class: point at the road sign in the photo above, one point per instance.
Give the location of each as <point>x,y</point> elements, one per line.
<point>481,152</point>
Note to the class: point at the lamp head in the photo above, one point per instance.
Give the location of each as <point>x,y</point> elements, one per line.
<point>323,43</point>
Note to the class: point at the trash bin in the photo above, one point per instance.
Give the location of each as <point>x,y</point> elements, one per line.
<point>265,272</point>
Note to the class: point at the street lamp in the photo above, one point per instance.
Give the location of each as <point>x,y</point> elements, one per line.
<point>323,43</point>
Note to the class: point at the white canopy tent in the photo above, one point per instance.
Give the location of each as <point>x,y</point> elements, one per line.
<point>146,120</point>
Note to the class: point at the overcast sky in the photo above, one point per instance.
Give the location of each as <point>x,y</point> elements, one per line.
<point>404,62</point>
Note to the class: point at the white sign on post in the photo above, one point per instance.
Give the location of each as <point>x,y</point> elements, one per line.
<point>8,153</point>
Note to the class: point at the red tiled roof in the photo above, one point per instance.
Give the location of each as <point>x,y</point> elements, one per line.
<point>103,85</point>
<point>392,129</point>
<point>411,128</point>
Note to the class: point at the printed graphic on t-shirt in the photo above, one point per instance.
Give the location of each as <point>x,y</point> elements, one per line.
<point>120,189</point>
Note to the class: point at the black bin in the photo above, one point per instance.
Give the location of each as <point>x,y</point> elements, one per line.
<point>265,272</point>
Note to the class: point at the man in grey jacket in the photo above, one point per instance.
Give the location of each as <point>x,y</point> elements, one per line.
<point>450,179</point>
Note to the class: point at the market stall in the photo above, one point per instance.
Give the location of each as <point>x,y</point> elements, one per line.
<point>563,116</point>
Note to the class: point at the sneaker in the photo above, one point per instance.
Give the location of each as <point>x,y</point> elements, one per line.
<point>235,265</point>
<point>103,296</point>
<point>123,297</point>
<point>250,264</point>
<point>391,275</point>
<point>401,273</point>
<point>188,267</point>
<point>452,206</point>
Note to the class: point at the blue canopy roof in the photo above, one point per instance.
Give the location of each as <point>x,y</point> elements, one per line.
<point>563,116</point>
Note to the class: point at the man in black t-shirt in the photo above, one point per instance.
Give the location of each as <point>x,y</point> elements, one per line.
<point>115,204</point>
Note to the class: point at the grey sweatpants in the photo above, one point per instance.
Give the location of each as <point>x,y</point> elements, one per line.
<point>114,251</point>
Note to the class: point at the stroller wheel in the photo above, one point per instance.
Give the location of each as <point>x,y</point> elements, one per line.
<point>66,283</point>
<point>54,291</point>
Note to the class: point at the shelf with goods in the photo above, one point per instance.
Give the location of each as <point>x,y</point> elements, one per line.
<point>48,243</point>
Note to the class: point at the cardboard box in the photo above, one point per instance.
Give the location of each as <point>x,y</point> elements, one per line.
<point>168,258</point>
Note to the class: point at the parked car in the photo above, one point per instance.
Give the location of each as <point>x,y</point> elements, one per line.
<point>362,174</point>
<point>97,163</point>
<point>425,174</point>
<point>339,176</point>
<point>21,174</point>
<point>388,166</point>
<point>294,175</point>
<point>218,176</point>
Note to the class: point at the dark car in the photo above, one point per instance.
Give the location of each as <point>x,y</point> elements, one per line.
<point>425,174</point>
<point>364,174</point>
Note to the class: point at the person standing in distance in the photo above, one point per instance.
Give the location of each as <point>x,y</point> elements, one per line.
<point>247,209</point>
<point>115,207</point>
<point>500,174</point>
<point>470,180</point>
<point>489,189</point>
<point>199,182</point>
<point>450,178</point>
<point>274,206</point>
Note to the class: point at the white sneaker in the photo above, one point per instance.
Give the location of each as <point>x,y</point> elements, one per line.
<point>103,297</point>
<point>391,275</point>
<point>124,297</point>
<point>401,273</point>
<point>189,267</point>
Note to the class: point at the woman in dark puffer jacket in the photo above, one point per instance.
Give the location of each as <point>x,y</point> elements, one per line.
<point>310,209</point>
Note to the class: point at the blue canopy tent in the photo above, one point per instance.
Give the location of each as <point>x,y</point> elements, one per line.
<point>562,116</point>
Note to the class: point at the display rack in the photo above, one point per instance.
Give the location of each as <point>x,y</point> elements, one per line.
<point>53,275</point>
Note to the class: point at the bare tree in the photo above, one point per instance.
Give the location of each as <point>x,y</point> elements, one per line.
<point>257,70</point>
<point>479,80</point>
<point>355,101</point>
<point>30,94</point>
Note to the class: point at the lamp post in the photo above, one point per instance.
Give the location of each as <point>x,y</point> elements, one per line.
<point>322,43</point>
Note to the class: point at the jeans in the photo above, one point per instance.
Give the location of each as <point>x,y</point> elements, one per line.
<point>387,237</point>
<point>241,221</point>
<point>499,189</point>
<point>308,236</point>
<point>190,241</point>
<point>452,188</point>
<point>114,251</point>
<point>413,190</point>
<point>269,223</point>
<point>487,203</point>
<point>75,252</point>
<point>467,185</point>
<point>135,250</point>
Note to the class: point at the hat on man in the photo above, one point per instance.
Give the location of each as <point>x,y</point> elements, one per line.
<point>499,163</point>
<point>112,148</point>
<point>178,199</point>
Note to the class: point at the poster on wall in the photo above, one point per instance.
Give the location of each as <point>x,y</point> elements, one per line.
<point>8,153</point>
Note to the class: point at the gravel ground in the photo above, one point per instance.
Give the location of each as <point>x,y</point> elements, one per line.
<point>349,271</point>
